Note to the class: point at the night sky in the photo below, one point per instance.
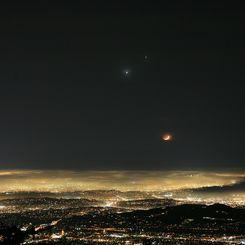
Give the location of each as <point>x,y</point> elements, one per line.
<point>95,84</point>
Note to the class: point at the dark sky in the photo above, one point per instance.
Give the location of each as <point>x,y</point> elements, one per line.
<point>65,101</point>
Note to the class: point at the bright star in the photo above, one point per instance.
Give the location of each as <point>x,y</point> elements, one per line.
<point>126,73</point>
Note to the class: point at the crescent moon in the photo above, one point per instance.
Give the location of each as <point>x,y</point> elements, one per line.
<point>167,137</point>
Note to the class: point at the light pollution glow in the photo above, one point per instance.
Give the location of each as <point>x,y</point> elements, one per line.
<point>67,181</point>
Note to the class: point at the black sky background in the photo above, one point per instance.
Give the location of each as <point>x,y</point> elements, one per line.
<point>65,102</point>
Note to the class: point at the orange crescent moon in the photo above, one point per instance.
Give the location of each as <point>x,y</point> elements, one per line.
<point>167,137</point>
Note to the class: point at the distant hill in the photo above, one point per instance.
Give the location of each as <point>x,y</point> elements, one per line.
<point>191,218</point>
<point>176,214</point>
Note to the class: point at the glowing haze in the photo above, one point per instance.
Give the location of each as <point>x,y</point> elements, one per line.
<point>60,181</point>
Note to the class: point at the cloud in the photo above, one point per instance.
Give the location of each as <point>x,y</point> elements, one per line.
<point>35,180</point>
<point>236,187</point>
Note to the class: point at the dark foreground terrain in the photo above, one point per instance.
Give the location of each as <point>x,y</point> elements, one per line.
<point>177,224</point>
